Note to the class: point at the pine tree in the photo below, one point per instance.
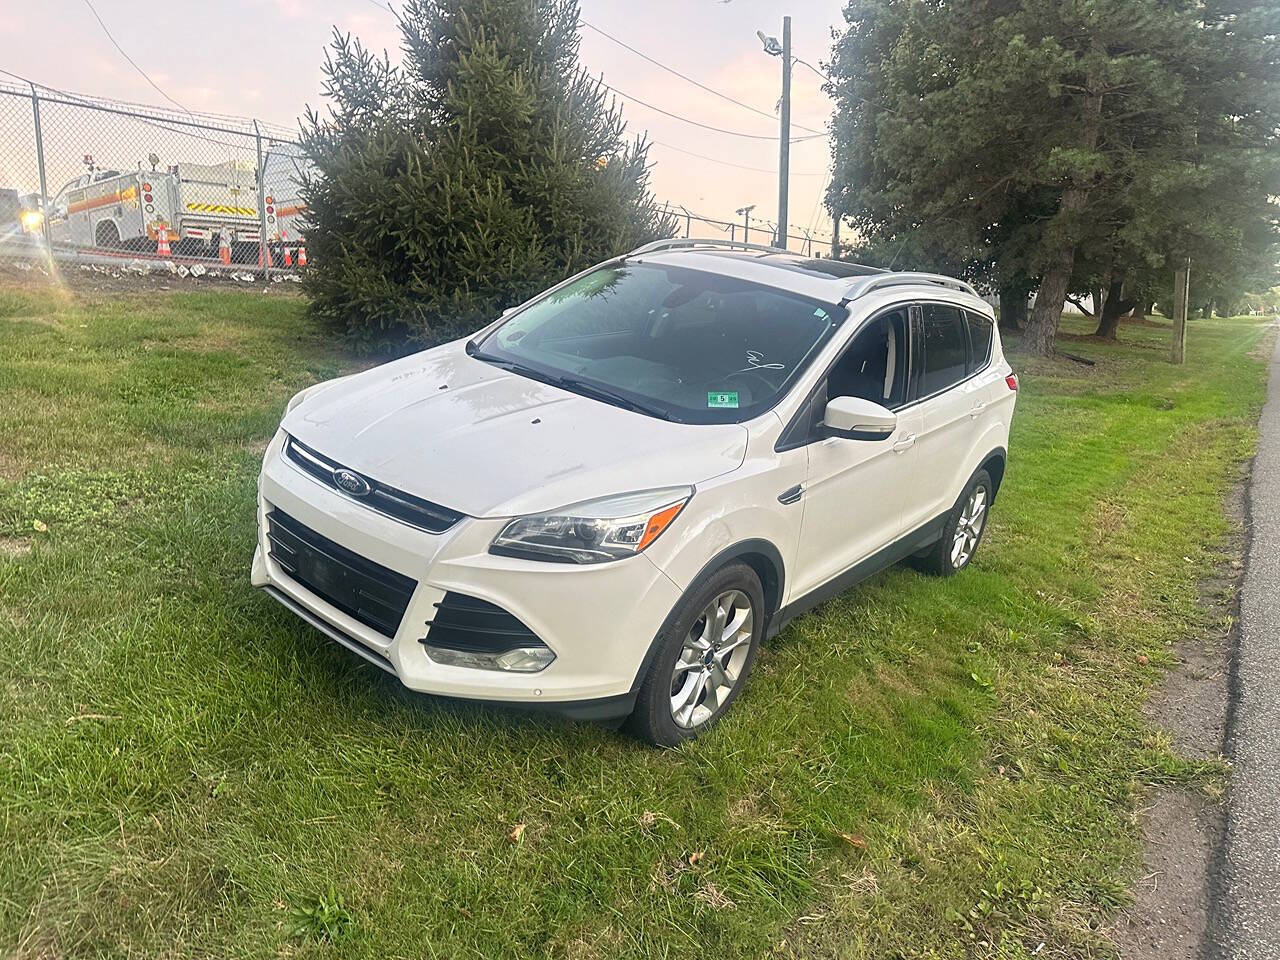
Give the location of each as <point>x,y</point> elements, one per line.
<point>1060,145</point>
<point>486,167</point>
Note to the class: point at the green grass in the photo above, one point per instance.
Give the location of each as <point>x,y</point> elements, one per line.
<point>921,768</point>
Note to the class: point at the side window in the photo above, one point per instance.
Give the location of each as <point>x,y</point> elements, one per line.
<point>980,336</point>
<point>946,348</point>
<point>874,365</point>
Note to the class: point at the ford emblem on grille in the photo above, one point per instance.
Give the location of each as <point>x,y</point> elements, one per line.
<point>351,483</point>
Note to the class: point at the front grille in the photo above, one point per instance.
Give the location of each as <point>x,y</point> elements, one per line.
<point>369,592</point>
<point>474,625</point>
<point>404,507</point>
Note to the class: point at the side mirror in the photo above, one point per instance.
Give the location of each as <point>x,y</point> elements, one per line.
<point>854,418</point>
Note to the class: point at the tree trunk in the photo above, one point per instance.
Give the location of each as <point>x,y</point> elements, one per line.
<point>1099,297</point>
<point>1042,328</point>
<point>1116,307</point>
<point>1013,308</point>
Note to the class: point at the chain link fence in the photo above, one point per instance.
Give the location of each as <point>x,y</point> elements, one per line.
<point>111,183</point>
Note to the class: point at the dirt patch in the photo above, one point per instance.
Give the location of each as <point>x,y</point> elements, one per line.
<point>14,548</point>
<point>1183,829</point>
<point>1170,916</point>
<point>1266,345</point>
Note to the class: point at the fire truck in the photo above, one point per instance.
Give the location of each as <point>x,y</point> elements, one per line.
<point>193,203</point>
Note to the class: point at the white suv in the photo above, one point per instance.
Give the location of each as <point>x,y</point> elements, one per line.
<point>604,502</point>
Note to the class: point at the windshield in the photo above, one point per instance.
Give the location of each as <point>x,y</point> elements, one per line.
<point>669,341</point>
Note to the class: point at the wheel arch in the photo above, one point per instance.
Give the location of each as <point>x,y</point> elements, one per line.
<point>760,555</point>
<point>994,463</point>
<point>102,226</point>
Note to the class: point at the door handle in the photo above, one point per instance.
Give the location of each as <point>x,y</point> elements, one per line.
<point>791,494</point>
<point>906,443</point>
<point>977,408</point>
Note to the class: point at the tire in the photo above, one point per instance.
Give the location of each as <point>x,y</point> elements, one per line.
<point>106,234</point>
<point>656,717</point>
<point>947,556</point>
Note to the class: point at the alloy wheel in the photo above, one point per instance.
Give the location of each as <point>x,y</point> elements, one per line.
<point>712,659</point>
<point>969,527</point>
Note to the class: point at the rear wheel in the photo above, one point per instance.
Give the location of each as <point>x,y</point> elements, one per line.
<point>704,657</point>
<point>963,532</point>
<point>106,234</point>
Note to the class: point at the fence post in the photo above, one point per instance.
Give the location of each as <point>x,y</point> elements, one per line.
<point>264,254</point>
<point>44,188</point>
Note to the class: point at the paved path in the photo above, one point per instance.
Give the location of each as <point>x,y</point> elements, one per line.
<point>1250,912</point>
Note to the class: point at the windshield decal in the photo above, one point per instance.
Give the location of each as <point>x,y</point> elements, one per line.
<point>723,400</point>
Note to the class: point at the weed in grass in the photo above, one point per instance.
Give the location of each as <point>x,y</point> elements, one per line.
<point>323,917</point>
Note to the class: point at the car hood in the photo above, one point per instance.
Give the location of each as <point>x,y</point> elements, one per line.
<point>489,443</point>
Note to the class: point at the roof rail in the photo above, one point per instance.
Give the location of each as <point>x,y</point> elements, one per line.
<point>675,242</point>
<point>864,285</point>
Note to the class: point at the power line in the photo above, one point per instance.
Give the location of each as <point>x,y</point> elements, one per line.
<point>870,103</point>
<point>688,79</point>
<point>729,163</point>
<point>704,126</point>
<point>811,67</point>
<point>94,11</point>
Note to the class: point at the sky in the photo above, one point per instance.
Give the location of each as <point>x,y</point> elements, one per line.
<point>262,58</point>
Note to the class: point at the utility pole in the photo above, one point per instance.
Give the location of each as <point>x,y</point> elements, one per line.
<point>784,135</point>
<point>775,49</point>
<point>1181,294</point>
<point>835,236</point>
<point>745,214</point>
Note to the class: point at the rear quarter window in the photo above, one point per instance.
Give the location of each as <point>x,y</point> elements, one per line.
<point>981,333</point>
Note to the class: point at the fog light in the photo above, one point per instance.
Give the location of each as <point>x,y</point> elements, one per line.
<point>519,660</point>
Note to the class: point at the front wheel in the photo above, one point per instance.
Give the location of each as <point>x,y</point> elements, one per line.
<point>704,655</point>
<point>965,526</point>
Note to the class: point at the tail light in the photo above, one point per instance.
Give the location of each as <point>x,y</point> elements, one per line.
<point>1012,381</point>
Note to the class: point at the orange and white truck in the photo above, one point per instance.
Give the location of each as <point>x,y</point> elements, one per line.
<point>193,203</point>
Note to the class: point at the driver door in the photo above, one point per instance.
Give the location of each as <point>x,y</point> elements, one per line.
<point>855,491</point>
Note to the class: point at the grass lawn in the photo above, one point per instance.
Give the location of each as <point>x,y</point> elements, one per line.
<point>920,768</point>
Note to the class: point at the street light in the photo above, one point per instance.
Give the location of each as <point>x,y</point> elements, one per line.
<point>775,49</point>
<point>745,214</point>
<point>771,45</point>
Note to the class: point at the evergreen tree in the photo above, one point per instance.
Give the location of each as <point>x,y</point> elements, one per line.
<point>485,168</point>
<point>1064,145</point>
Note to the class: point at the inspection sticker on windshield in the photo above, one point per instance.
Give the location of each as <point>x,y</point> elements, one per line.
<point>722,399</point>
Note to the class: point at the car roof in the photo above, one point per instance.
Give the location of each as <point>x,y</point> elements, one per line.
<point>820,278</point>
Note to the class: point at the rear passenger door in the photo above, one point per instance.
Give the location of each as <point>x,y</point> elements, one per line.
<point>947,401</point>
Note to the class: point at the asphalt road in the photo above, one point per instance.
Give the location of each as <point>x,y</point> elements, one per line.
<point>1250,912</point>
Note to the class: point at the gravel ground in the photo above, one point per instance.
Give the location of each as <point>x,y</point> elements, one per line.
<point>1249,924</point>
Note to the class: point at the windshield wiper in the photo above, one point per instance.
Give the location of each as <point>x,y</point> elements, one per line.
<point>598,392</point>
<point>574,385</point>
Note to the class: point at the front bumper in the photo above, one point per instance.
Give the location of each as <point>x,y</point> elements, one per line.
<point>598,619</point>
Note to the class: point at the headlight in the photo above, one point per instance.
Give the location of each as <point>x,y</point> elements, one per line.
<point>31,220</point>
<point>595,531</point>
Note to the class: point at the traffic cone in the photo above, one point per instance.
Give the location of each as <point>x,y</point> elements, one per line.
<point>288,258</point>
<point>264,255</point>
<point>162,240</point>
<point>302,256</point>
<point>224,247</point>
